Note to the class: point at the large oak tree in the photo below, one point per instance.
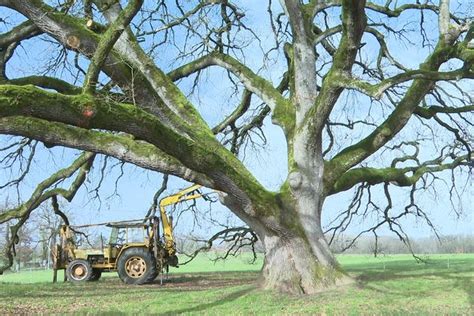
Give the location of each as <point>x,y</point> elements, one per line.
<point>129,108</point>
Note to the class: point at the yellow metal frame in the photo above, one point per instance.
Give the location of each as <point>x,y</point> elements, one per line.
<point>187,194</point>
<point>69,249</point>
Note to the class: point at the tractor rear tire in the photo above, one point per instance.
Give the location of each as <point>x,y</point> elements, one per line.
<point>137,266</point>
<point>79,271</point>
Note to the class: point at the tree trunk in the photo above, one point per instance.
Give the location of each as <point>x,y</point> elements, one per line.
<point>297,256</point>
<point>296,260</point>
<point>291,266</point>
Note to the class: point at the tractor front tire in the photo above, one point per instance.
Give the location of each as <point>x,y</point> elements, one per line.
<point>79,271</point>
<point>137,266</point>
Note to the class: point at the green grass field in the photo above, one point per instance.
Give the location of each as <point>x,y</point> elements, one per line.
<point>391,285</point>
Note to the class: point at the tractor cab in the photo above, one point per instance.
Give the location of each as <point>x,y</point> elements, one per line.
<point>125,235</point>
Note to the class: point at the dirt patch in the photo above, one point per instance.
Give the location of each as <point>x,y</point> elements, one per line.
<point>196,281</point>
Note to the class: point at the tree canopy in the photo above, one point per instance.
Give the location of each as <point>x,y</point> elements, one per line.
<point>337,77</point>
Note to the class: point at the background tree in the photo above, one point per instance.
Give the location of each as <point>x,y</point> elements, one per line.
<point>47,222</point>
<point>3,240</point>
<point>129,108</point>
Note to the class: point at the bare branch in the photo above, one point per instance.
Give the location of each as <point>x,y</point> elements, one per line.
<point>238,237</point>
<point>152,210</point>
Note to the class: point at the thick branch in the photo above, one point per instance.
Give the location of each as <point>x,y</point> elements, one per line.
<point>73,34</point>
<point>253,84</point>
<point>299,22</point>
<point>397,176</point>
<point>281,107</point>
<point>377,90</point>
<point>393,13</point>
<point>47,83</point>
<point>444,18</point>
<point>207,156</point>
<point>431,111</point>
<point>19,33</point>
<point>356,153</point>
<point>41,194</point>
<point>354,21</point>
<point>353,25</point>
<point>191,68</point>
<point>107,42</point>
<point>174,105</point>
<point>84,162</point>
<point>120,146</point>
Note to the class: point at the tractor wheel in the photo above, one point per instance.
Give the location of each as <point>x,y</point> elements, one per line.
<point>96,274</point>
<point>79,271</point>
<point>157,271</point>
<point>137,266</point>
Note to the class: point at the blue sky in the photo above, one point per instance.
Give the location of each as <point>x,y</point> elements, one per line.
<point>214,100</point>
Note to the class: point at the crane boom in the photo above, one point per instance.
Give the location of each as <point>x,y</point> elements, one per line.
<point>190,193</point>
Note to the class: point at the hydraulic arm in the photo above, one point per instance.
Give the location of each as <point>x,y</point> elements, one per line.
<point>187,194</point>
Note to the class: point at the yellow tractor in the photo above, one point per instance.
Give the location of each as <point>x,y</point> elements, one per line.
<point>135,249</point>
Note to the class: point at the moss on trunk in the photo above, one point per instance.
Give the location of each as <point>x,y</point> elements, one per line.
<point>290,266</point>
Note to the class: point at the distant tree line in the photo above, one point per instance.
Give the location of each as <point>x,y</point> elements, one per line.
<point>449,244</point>
<point>392,245</point>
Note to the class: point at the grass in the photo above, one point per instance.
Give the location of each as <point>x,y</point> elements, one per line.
<point>202,263</point>
<point>391,285</point>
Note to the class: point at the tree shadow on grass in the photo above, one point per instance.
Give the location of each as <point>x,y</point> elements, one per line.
<point>219,301</point>
<point>461,277</point>
<point>176,283</point>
